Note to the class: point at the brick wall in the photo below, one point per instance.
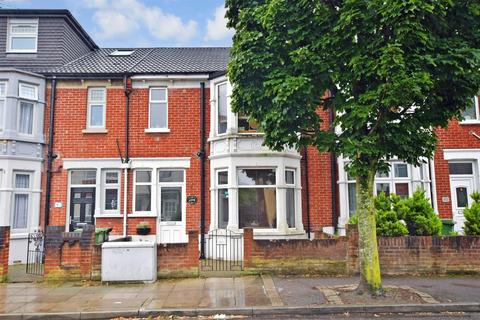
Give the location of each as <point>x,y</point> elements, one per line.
<point>179,259</point>
<point>4,252</point>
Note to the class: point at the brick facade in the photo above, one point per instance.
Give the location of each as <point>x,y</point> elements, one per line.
<point>4,252</point>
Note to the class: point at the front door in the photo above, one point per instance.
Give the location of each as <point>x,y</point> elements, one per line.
<point>171,226</point>
<point>82,207</point>
<point>461,189</point>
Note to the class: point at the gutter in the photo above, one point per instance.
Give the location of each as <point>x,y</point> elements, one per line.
<point>50,155</point>
<point>201,154</point>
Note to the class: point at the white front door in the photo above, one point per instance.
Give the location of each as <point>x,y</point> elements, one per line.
<point>461,189</point>
<point>171,218</point>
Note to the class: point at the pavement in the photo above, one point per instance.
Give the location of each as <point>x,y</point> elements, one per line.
<point>252,296</point>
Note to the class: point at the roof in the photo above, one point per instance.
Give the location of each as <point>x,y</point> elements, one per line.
<point>206,60</point>
<point>66,14</point>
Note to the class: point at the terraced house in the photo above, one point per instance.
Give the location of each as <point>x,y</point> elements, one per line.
<point>117,137</point>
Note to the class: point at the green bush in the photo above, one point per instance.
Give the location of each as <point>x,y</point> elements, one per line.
<point>472,216</point>
<point>353,219</point>
<point>418,215</point>
<point>388,223</point>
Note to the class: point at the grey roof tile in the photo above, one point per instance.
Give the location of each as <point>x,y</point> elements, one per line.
<point>148,61</point>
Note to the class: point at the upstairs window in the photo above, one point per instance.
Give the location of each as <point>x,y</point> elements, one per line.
<point>96,110</point>
<point>22,35</point>
<point>3,89</point>
<point>471,114</point>
<point>222,108</point>
<point>158,109</point>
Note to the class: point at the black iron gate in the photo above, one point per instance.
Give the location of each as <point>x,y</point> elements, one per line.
<point>36,253</point>
<point>223,251</point>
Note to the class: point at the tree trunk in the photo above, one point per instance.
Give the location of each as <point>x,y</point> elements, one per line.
<point>370,277</point>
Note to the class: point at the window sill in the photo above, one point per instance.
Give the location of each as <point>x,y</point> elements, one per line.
<point>154,130</point>
<point>469,122</point>
<point>101,131</point>
<point>142,215</point>
<point>109,215</point>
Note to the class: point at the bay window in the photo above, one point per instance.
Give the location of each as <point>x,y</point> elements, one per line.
<point>257,198</point>
<point>222,199</point>
<point>290,205</point>
<point>21,200</point>
<point>3,93</point>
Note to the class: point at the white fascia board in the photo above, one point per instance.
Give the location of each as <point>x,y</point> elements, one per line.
<point>171,76</point>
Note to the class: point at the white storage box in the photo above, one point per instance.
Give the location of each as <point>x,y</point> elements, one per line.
<point>129,261</point>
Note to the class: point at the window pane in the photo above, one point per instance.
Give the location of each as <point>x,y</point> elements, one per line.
<point>143,176</point>
<point>250,177</point>
<point>28,92</point>
<point>222,208</point>
<point>383,187</point>
<point>257,208</point>
<point>401,170</point>
<point>462,197</point>
<point>20,211</point>
<point>23,43</point>
<point>26,118</point>
<point>291,208</point>
<point>84,177</point>
<point>460,168</point>
<point>290,177</point>
<point>170,176</point>
<point>223,177</point>
<point>22,181</point>
<point>222,108</point>
<point>96,94</point>
<point>171,203</point>
<point>142,198</point>
<point>382,174</point>
<point>96,115</point>
<point>401,189</point>
<point>158,115</point>
<point>111,177</point>
<point>470,113</point>
<point>24,28</point>
<point>352,199</point>
<point>111,199</point>
<point>158,94</point>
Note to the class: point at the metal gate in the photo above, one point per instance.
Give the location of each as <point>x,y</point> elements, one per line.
<point>36,253</point>
<point>223,251</point>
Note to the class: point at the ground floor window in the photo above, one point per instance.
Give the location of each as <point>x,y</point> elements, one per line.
<point>222,198</point>
<point>143,191</point>
<point>21,200</point>
<point>290,197</point>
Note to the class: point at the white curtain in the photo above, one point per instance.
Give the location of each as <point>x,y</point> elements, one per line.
<point>20,211</point>
<point>22,181</point>
<point>26,117</point>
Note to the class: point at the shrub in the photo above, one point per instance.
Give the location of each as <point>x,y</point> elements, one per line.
<point>419,215</point>
<point>388,223</point>
<point>353,220</point>
<point>472,216</point>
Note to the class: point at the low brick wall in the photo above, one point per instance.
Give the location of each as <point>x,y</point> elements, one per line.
<point>4,252</point>
<point>69,255</point>
<point>179,259</point>
<point>318,256</point>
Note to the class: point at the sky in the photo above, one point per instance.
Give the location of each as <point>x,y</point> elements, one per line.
<point>144,23</point>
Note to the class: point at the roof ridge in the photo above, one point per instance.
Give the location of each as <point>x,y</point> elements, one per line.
<point>141,59</point>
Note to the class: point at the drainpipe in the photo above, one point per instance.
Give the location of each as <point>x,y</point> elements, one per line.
<point>333,174</point>
<point>307,190</point>
<point>126,161</point>
<point>50,155</point>
<point>201,154</point>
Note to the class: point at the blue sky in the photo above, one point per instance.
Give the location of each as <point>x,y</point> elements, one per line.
<point>144,23</point>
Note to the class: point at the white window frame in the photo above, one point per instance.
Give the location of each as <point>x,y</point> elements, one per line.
<point>11,35</point>
<point>221,186</point>
<point>110,186</point>
<point>150,102</point>
<point>292,186</point>
<point>22,191</point>
<point>3,102</point>
<point>22,86</point>
<point>175,184</point>
<point>217,106</point>
<point>135,184</point>
<point>477,113</point>
<point>91,103</point>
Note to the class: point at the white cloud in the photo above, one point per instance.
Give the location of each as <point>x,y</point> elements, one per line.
<point>217,28</point>
<point>116,18</point>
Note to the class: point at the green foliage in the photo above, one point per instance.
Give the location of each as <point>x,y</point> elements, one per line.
<point>353,219</point>
<point>388,223</point>
<point>472,216</point>
<point>419,215</point>
<point>378,58</point>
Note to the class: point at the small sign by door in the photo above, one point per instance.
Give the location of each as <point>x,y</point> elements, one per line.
<point>192,199</point>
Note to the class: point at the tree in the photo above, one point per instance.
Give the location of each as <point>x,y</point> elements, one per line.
<point>393,70</point>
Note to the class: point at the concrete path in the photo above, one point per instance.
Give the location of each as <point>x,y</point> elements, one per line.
<point>242,293</point>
